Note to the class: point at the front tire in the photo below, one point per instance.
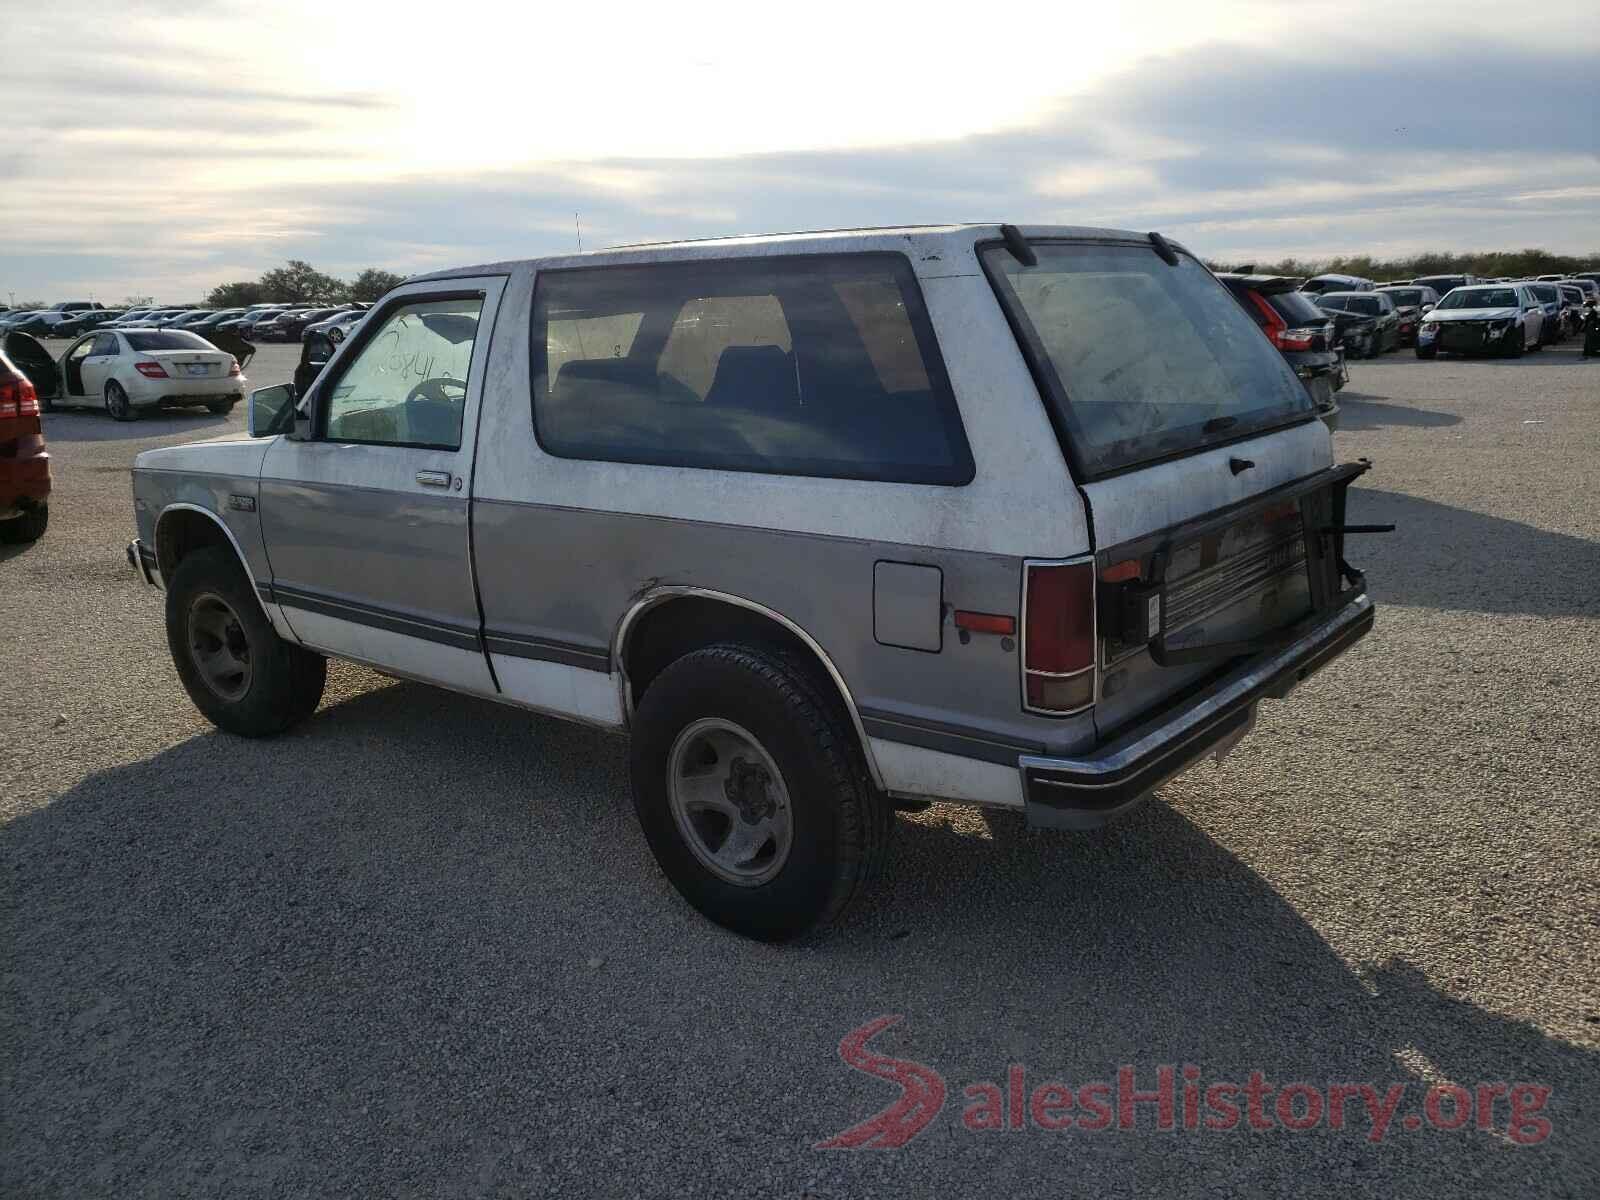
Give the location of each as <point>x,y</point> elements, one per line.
<point>752,792</point>
<point>1516,345</point>
<point>29,527</point>
<point>240,674</point>
<point>118,406</point>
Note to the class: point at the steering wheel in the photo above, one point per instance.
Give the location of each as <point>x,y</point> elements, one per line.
<point>440,389</point>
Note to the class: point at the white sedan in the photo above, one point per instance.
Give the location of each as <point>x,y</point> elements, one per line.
<point>133,370</point>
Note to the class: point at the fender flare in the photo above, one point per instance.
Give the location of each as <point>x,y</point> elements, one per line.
<point>658,595</point>
<point>274,617</point>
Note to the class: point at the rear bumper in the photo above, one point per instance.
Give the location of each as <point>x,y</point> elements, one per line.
<point>24,467</point>
<point>147,393</point>
<point>1084,793</point>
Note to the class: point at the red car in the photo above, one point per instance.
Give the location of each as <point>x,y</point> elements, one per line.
<point>24,464</point>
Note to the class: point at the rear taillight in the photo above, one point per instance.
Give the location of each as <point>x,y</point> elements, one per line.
<point>233,367</point>
<point>1294,339</point>
<point>17,398</point>
<point>150,370</point>
<point>1058,637</point>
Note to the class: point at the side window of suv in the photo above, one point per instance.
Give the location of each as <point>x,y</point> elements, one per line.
<point>408,385</point>
<point>815,365</point>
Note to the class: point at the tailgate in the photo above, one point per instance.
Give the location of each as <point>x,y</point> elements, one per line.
<point>1178,600</point>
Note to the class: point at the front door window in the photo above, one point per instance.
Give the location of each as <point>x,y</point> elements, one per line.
<point>407,386</point>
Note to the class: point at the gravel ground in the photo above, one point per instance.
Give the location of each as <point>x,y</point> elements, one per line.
<point>418,947</point>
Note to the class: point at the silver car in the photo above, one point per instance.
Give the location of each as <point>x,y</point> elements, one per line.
<point>832,524</point>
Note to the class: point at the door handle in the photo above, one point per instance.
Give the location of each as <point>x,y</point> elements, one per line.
<point>434,478</point>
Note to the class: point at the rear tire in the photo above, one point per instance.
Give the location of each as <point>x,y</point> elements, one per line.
<point>240,674</point>
<point>737,747</point>
<point>1427,351</point>
<point>220,408</point>
<point>118,405</point>
<point>29,527</point>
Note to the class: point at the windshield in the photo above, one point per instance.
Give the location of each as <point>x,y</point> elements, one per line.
<point>1405,295</point>
<point>1443,283</point>
<point>168,339</point>
<point>1480,298</point>
<point>1142,360</point>
<point>1339,302</point>
<point>1370,305</point>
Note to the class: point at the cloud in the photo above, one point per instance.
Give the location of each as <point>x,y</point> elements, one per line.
<point>1239,150</point>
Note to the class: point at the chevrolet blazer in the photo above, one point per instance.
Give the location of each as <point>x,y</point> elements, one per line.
<point>831,524</point>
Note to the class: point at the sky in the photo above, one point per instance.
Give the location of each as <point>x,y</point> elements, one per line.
<point>148,153</point>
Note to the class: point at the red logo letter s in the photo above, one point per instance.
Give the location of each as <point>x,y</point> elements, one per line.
<point>921,1093</point>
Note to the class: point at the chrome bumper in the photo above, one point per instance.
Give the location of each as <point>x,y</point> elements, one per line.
<point>1084,793</point>
<point>143,560</point>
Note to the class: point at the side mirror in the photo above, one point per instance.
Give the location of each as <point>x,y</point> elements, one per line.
<point>271,410</point>
<point>1427,307</point>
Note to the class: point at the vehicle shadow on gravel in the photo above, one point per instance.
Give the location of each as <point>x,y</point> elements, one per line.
<point>419,946</point>
<point>1362,413</point>
<point>93,425</point>
<point>1442,556</point>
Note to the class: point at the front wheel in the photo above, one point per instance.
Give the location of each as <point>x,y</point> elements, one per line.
<point>117,403</point>
<point>752,792</point>
<point>1515,346</point>
<point>240,674</point>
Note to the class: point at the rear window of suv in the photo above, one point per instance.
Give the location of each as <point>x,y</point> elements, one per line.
<point>1296,308</point>
<point>168,339</point>
<point>805,365</point>
<point>1141,360</point>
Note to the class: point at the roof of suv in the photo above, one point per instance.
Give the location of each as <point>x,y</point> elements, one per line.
<point>928,243</point>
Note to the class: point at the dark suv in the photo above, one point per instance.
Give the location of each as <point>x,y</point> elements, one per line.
<point>1301,331</point>
<point>1411,303</point>
<point>1375,306</point>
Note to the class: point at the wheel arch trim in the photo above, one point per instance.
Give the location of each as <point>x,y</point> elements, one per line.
<point>655,597</point>
<point>274,617</point>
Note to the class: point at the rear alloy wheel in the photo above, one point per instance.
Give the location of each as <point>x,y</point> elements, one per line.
<point>117,404</point>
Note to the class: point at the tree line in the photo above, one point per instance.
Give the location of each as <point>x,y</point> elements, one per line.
<point>298,281</point>
<point>1511,264</point>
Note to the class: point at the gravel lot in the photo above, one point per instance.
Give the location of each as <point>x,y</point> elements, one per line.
<point>419,948</point>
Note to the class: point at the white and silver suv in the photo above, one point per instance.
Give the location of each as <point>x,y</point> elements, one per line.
<point>831,523</point>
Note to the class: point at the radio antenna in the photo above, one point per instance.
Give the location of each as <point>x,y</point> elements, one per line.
<point>578,225</point>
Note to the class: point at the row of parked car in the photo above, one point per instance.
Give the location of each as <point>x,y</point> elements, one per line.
<point>1461,313</point>
<point>256,323</point>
